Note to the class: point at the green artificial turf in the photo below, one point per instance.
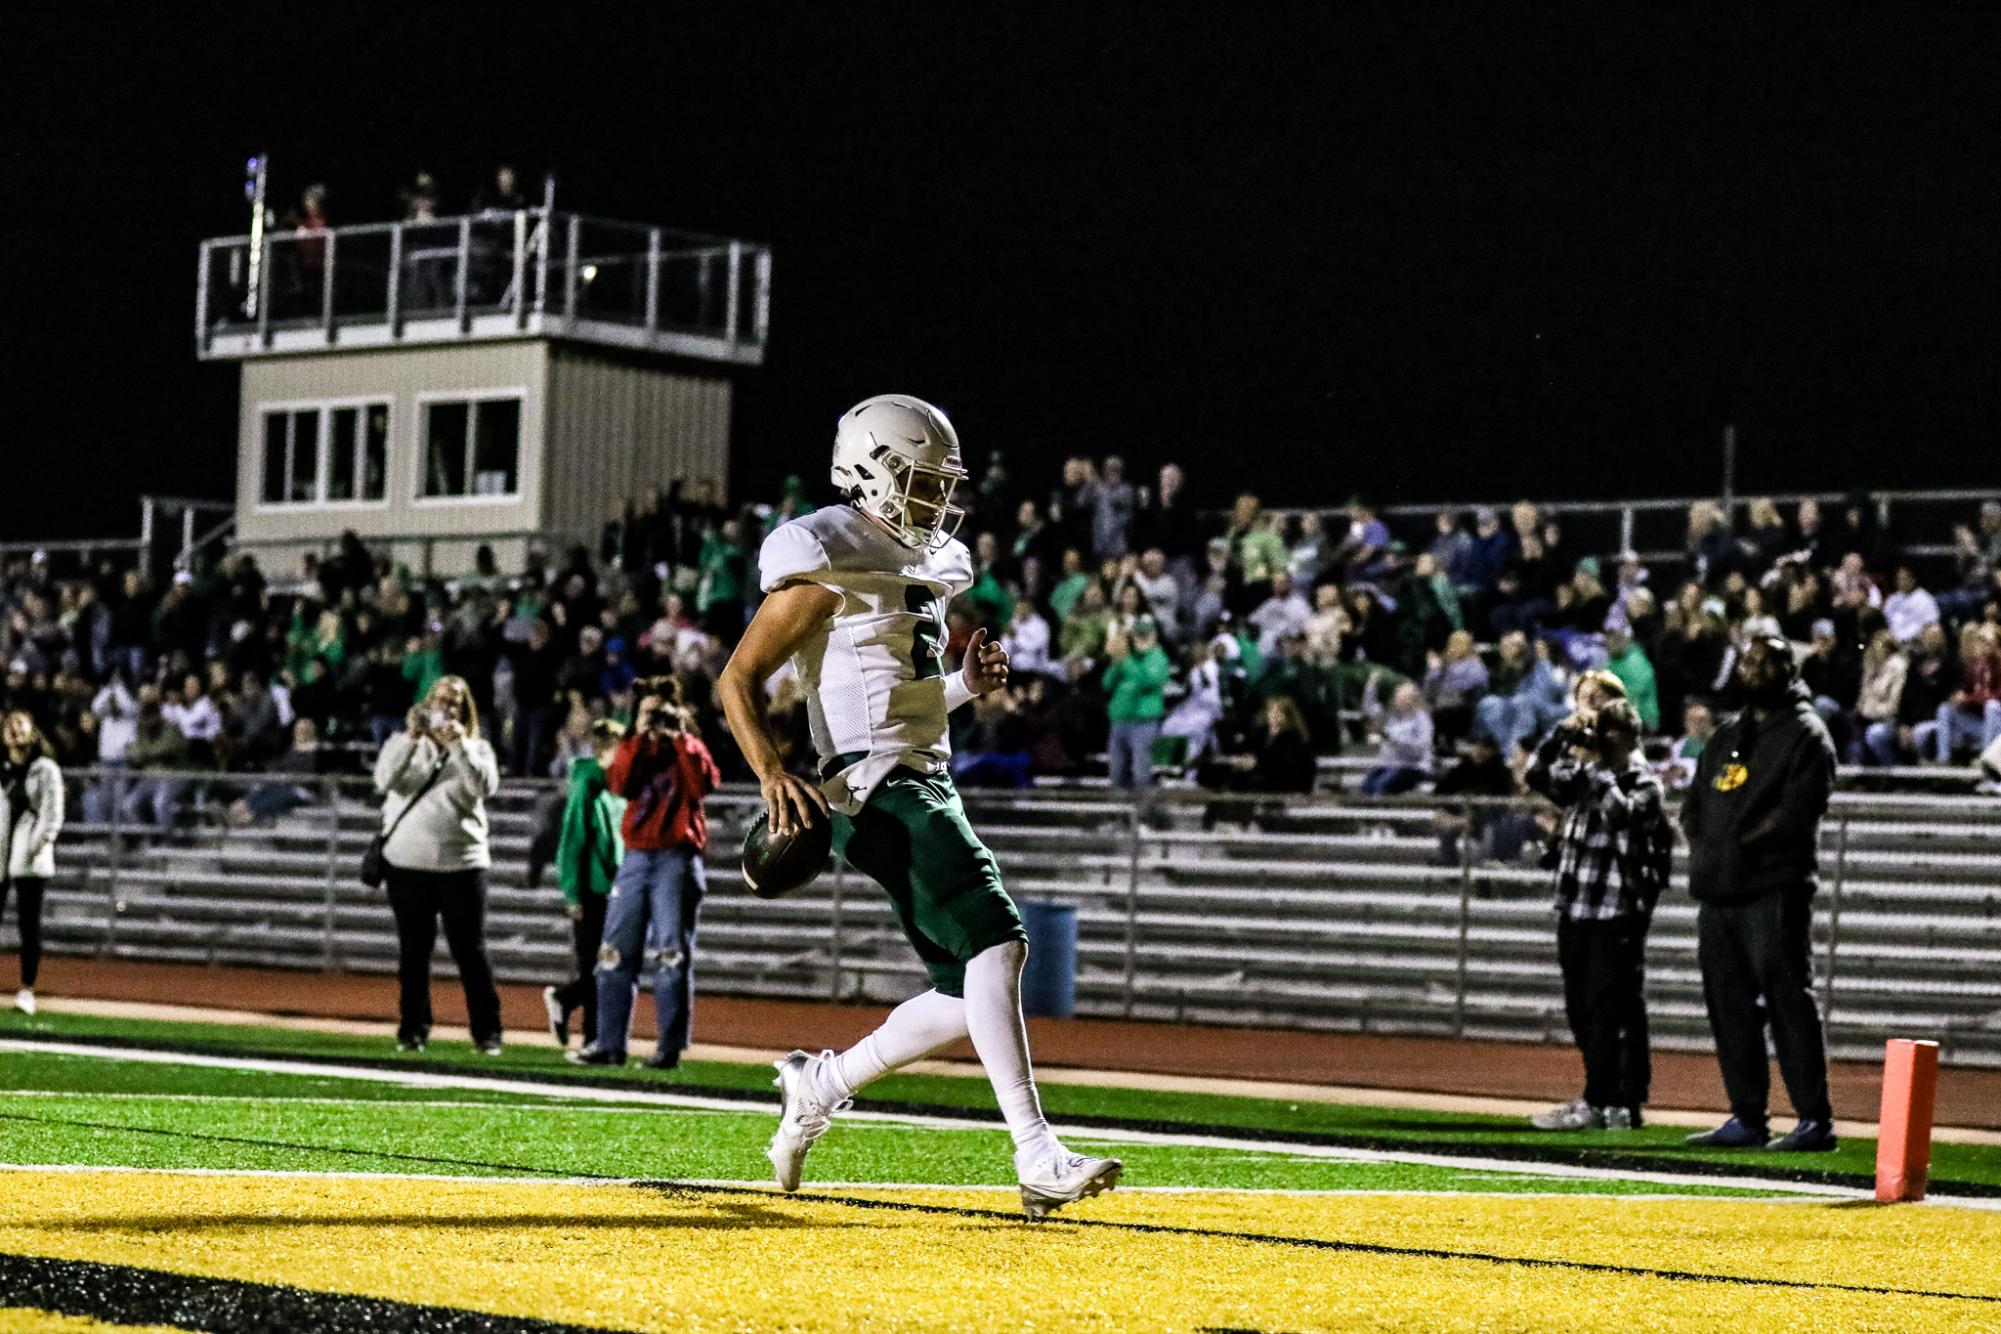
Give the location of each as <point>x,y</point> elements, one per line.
<point>1656,1148</point>
<point>103,1111</point>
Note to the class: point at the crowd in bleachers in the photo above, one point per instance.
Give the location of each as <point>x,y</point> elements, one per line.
<point>1150,631</point>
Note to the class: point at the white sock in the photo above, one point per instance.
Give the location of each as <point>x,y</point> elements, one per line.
<point>993,1019</point>
<point>921,1025</point>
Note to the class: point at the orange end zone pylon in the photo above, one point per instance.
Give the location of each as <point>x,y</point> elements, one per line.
<point>1904,1137</point>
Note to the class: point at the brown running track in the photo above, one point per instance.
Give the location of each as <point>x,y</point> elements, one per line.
<point>1682,1080</point>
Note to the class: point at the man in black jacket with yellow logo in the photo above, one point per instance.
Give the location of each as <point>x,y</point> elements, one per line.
<point>1753,821</point>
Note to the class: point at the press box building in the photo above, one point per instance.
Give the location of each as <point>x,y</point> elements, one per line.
<point>507,379</point>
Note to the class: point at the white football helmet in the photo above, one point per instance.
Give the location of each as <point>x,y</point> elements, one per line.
<point>897,458</point>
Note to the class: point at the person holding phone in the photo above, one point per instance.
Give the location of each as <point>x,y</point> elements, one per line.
<point>435,777</point>
<point>664,772</point>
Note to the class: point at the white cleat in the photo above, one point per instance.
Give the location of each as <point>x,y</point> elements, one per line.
<point>802,1118</point>
<point>24,1000</point>
<point>1061,1178</point>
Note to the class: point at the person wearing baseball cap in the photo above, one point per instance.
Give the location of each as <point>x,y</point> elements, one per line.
<point>1832,673</point>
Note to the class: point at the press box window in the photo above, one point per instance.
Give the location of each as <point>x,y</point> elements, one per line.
<point>354,441</point>
<point>359,467</point>
<point>291,457</point>
<point>472,448</point>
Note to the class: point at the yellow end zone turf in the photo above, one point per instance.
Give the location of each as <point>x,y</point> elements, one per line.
<point>640,1257</point>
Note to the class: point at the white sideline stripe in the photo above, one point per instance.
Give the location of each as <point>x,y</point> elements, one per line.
<point>290,1101</point>
<point>1082,1134</point>
<point>822,1188</point>
<point>1234,1087</point>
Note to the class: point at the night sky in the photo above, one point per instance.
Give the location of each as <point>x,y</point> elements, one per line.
<point>1417,252</point>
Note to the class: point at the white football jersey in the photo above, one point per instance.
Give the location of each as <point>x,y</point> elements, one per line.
<point>875,674</point>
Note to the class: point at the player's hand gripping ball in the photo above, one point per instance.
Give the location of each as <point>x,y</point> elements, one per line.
<point>775,865</point>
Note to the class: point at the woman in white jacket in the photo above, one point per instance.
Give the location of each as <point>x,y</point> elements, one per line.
<point>34,793</point>
<point>435,777</point>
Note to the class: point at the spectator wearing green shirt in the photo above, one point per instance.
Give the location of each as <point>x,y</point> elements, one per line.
<point>719,596</point>
<point>588,853</point>
<point>793,501</point>
<point>1063,597</point>
<point>1629,663</point>
<point>423,662</point>
<point>1136,681</point>
<point>1082,639</point>
<point>316,651</point>
<point>1262,553</point>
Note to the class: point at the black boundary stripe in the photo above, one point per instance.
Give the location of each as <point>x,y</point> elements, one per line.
<point>1637,1160</point>
<point>995,1215</point>
<point>1331,1244</point>
<point>123,1294</point>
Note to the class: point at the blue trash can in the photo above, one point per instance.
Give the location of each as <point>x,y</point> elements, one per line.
<point>1049,983</point>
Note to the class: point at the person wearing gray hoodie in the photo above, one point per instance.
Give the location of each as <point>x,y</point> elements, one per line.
<point>435,777</point>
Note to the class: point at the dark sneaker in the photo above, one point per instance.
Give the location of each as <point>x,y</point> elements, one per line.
<point>1576,1114</point>
<point>662,1060</point>
<point>1618,1118</point>
<point>594,1056</point>
<point>559,1016</point>
<point>1807,1137</point>
<point>404,1043</point>
<point>1732,1134</point>
<point>487,1046</point>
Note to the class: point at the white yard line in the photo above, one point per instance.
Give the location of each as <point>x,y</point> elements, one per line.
<point>1352,1095</point>
<point>661,1098</point>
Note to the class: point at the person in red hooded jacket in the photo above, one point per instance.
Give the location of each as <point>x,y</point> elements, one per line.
<point>663,771</point>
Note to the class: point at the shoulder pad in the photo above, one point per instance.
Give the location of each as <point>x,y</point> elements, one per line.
<point>793,551</point>
<point>952,565</point>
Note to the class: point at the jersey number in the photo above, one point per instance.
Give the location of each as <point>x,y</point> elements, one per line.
<point>927,641</point>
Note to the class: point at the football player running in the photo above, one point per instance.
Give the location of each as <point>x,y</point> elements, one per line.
<point>855,598</point>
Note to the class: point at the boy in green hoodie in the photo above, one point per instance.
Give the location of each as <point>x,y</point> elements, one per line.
<point>588,853</point>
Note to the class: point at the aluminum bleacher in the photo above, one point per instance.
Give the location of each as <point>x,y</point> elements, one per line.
<point>1329,912</point>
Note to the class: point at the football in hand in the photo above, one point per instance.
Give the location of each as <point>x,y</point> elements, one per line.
<point>776,864</point>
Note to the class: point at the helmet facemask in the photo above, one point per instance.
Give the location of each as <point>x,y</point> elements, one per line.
<point>918,508</point>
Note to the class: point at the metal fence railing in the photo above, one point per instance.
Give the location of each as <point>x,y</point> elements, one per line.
<point>489,274</point>
<point>1408,916</point>
<point>1919,523</point>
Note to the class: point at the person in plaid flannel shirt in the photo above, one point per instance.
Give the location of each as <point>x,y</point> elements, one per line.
<point>1612,853</point>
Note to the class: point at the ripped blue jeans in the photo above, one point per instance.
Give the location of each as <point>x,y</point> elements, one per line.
<point>649,925</point>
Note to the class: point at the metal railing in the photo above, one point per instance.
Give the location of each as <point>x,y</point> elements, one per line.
<point>172,531</point>
<point>1401,916</point>
<point>416,549</point>
<point>489,275</point>
<point>1655,530</point>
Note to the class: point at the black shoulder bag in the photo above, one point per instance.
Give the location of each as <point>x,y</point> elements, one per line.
<point>374,869</point>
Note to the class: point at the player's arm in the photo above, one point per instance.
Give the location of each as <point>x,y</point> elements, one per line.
<point>785,621</point>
